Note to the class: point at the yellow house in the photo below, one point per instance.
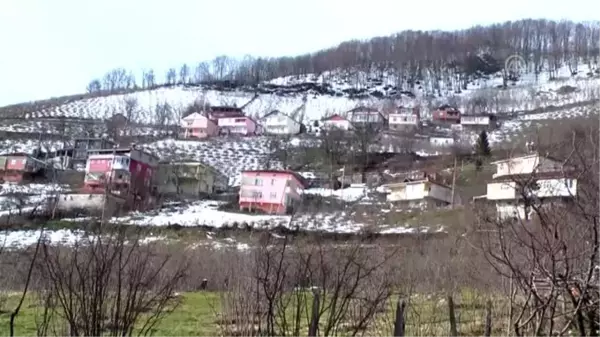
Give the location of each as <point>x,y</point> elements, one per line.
<point>189,178</point>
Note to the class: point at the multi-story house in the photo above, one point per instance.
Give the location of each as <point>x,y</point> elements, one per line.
<point>271,191</point>
<point>199,126</point>
<point>336,122</point>
<point>446,114</point>
<point>191,178</point>
<point>126,173</point>
<point>244,125</point>
<point>362,116</point>
<point>421,190</point>
<point>405,119</point>
<point>83,145</point>
<point>278,123</point>
<point>16,167</point>
<point>520,180</point>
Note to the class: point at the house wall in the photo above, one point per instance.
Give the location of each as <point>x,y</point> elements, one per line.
<point>507,210</point>
<point>501,190</point>
<point>366,117</point>
<point>421,190</point>
<point>441,193</point>
<point>441,141</point>
<point>340,124</point>
<point>475,120</point>
<point>547,188</point>
<point>16,163</point>
<point>200,127</point>
<point>403,119</point>
<point>190,179</point>
<point>272,192</point>
<point>280,124</point>
<point>526,165</point>
<point>239,125</point>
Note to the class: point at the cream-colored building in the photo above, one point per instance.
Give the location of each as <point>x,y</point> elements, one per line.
<point>189,178</point>
<point>532,176</point>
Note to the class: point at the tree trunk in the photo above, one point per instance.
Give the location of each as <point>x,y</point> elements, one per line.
<point>399,322</point>
<point>314,320</point>
<point>453,329</point>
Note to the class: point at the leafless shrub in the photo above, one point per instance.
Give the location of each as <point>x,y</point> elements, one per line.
<point>272,296</point>
<point>109,282</point>
<point>551,253</point>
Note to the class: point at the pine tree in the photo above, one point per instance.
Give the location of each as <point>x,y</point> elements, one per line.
<point>483,145</point>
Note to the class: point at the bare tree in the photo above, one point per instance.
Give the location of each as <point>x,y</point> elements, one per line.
<point>202,72</point>
<point>184,74</point>
<point>94,86</point>
<point>148,79</point>
<point>163,114</point>
<point>110,282</point>
<point>132,109</point>
<point>270,295</point>
<point>171,76</point>
<point>115,79</point>
<point>221,67</point>
<point>550,252</point>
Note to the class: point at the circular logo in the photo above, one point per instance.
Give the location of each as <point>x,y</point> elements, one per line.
<point>514,65</point>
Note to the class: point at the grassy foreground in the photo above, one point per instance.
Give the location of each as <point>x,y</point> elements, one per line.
<point>197,315</point>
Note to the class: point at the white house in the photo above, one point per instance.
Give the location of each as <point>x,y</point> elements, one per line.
<point>243,125</point>
<point>532,163</point>
<point>479,120</point>
<point>441,140</point>
<point>337,122</point>
<point>276,122</point>
<point>423,193</point>
<point>531,176</point>
<point>404,118</point>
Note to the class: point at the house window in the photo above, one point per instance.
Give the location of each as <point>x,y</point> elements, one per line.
<point>569,183</point>
<point>13,161</point>
<point>257,195</point>
<point>258,182</point>
<point>273,195</point>
<point>272,182</point>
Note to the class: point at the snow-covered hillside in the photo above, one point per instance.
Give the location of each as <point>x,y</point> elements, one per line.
<point>312,97</point>
<point>228,155</point>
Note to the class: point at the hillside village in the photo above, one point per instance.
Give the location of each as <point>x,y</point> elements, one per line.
<point>423,183</point>
<point>113,171</point>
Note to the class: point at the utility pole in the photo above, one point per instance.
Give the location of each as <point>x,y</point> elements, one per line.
<point>453,182</point>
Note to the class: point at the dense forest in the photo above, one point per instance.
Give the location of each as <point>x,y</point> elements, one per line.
<point>442,58</point>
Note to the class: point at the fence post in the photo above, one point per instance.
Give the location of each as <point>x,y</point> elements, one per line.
<point>453,329</point>
<point>488,319</point>
<point>314,319</point>
<point>399,322</point>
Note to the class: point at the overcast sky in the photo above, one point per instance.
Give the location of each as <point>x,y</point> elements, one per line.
<point>55,47</point>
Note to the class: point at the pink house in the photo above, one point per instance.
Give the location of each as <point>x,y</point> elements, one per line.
<point>243,125</point>
<point>271,191</point>
<point>198,126</point>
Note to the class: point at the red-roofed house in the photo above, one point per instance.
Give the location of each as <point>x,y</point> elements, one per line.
<point>271,191</point>
<point>15,167</point>
<point>337,121</point>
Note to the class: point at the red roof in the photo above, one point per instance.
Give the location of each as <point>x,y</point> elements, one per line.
<point>336,118</point>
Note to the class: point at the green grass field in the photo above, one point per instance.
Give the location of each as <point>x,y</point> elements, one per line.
<point>198,314</point>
